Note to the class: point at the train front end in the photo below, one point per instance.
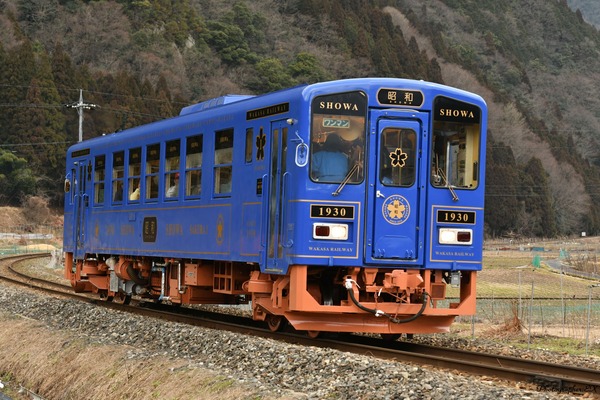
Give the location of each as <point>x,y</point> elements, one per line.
<point>386,234</point>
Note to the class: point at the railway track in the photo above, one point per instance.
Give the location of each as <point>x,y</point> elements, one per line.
<point>545,376</point>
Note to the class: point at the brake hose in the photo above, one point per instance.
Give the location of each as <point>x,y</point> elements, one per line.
<point>379,313</point>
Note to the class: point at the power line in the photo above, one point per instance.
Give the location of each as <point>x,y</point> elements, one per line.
<point>33,144</point>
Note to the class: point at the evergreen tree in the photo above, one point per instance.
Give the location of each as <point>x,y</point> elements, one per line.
<point>540,220</point>
<point>18,70</point>
<point>16,179</point>
<point>502,207</point>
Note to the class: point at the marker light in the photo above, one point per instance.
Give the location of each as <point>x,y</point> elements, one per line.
<point>455,236</point>
<point>330,231</point>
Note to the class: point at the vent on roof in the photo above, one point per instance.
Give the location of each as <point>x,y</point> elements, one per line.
<point>212,103</point>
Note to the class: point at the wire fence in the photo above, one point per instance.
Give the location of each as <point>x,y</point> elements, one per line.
<point>25,239</point>
<point>537,292</point>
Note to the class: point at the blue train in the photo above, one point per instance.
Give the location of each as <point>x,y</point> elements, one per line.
<point>349,206</point>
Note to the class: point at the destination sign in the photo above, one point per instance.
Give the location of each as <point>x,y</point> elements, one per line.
<point>400,97</point>
<point>451,110</point>
<point>80,153</point>
<point>336,123</point>
<point>456,217</point>
<point>267,111</point>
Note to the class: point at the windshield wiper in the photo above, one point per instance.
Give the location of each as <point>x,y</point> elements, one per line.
<point>345,181</point>
<point>450,188</point>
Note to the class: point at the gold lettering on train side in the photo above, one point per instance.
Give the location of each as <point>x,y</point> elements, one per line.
<point>110,230</point>
<point>173,229</point>
<point>456,113</point>
<point>268,111</point>
<point>127,230</point>
<point>198,229</point>
<point>337,106</point>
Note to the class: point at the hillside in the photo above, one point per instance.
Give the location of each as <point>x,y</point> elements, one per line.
<point>537,67</point>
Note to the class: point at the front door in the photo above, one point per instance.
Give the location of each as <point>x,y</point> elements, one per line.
<point>82,173</point>
<point>395,223</point>
<point>276,242</point>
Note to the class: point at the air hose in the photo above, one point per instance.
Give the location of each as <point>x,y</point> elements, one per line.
<point>379,313</point>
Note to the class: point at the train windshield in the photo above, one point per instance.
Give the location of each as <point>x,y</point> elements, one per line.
<point>338,138</point>
<point>456,144</point>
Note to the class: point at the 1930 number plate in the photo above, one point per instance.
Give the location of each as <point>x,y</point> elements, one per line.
<point>456,217</point>
<point>331,211</point>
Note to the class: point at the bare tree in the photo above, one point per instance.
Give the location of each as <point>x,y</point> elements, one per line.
<point>36,210</point>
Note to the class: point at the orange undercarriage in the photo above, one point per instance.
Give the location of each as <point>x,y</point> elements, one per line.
<point>369,300</point>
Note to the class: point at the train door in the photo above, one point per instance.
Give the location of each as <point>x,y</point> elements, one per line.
<point>395,223</point>
<point>276,200</point>
<point>82,173</point>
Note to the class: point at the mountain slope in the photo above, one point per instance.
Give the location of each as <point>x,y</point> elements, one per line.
<point>536,66</point>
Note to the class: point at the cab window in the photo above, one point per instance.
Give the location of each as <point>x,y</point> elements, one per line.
<point>455,144</point>
<point>338,138</point>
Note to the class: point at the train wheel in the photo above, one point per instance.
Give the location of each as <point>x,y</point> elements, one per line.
<point>313,334</point>
<point>275,322</point>
<point>390,337</point>
<point>122,298</point>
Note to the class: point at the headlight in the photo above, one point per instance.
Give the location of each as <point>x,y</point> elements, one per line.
<point>330,231</point>
<point>455,236</point>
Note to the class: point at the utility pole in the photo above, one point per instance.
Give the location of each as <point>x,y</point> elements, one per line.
<point>80,106</point>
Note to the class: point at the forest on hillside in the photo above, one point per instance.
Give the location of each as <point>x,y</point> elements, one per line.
<point>143,60</point>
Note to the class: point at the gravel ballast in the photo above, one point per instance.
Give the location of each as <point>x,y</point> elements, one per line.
<point>264,368</point>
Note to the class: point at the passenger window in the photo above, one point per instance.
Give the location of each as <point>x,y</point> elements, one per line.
<point>397,165</point>
<point>249,144</point>
<point>118,174</point>
<point>172,169</point>
<point>99,171</point>
<point>193,166</point>
<point>223,161</point>
<point>135,172</point>
<point>152,170</point>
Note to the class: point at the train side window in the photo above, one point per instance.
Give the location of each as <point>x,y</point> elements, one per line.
<point>118,176</point>
<point>455,144</point>
<point>172,168</point>
<point>249,144</point>
<point>152,170</point>
<point>135,172</point>
<point>99,176</point>
<point>397,164</point>
<point>193,166</point>
<point>223,161</point>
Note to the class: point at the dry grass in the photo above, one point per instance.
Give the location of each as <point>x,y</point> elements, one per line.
<point>58,365</point>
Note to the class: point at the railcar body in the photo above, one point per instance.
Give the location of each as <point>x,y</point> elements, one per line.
<point>234,200</point>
